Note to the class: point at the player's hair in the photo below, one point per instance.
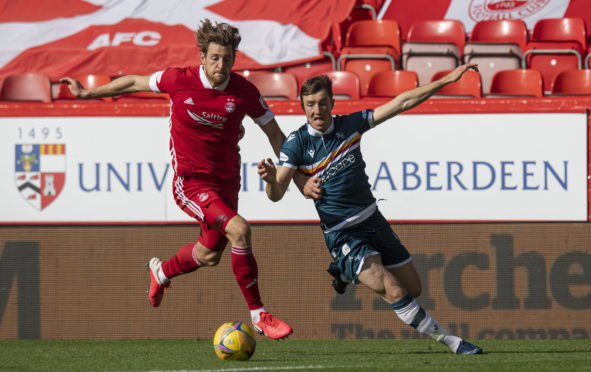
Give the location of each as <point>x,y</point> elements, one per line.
<point>315,85</point>
<point>220,33</point>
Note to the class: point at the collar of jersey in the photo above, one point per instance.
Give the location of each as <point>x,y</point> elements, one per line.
<point>207,84</point>
<point>316,133</point>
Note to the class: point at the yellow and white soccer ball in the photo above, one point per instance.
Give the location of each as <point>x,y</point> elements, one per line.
<point>234,341</point>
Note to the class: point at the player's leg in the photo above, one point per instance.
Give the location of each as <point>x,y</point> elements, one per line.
<point>245,270</point>
<point>383,282</point>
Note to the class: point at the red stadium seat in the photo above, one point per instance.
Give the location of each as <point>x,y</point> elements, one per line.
<point>587,65</point>
<point>26,87</point>
<point>469,85</point>
<point>556,45</point>
<point>360,12</point>
<point>496,45</point>
<point>519,82</point>
<point>87,81</point>
<point>572,82</point>
<point>371,46</point>
<point>345,84</point>
<point>276,85</point>
<point>433,45</point>
<point>391,83</point>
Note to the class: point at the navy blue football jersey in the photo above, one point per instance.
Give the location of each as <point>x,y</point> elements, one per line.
<point>335,157</point>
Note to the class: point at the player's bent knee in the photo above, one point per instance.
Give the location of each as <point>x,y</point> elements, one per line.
<point>238,229</point>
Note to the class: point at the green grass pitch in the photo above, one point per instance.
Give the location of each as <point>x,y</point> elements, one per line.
<point>296,355</point>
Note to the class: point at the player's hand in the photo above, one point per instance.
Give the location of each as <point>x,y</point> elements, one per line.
<point>457,73</point>
<point>74,85</point>
<point>267,171</point>
<point>312,188</point>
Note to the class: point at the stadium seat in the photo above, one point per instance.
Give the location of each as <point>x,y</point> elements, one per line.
<point>496,45</point>
<point>469,86</point>
<point>433,45</point>
<point>391,83</point>
<point>26,87</point>
<point>302,71</point>
<point>572,82</point>
<point>360,12</point>
<point>588,57</point>
<point>519,82</point>
<point>371,46</point>
<point>557,44</point>
<point>87,81</point>
<point>345,84</point>
<point>276,85</point>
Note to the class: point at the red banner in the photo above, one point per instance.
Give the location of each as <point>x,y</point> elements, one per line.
<point>70,37</point>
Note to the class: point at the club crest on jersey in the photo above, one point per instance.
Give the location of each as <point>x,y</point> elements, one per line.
<point>40,172</point>
<point>203,196</point>
<point>230,106</point>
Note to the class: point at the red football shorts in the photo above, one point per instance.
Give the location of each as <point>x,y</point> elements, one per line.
<point>212,207</point>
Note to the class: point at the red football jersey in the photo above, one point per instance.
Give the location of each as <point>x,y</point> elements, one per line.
<point>206,123</point>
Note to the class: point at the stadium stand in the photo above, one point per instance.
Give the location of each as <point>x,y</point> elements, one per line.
<point>345,84</point>
<point>556,44</point>
<point>139,96</point>
<point>572,82</point>
<point>335,42</point>
<point>469,86</point>
<point>391,83</point>
<point>371,46</point>
<point>87,81</point>
<point>496,45</point>
<point>304,70</point>
<point>519,82</point>
<point>276,85</point>
<point>26,87</point>
<point>433,45</point>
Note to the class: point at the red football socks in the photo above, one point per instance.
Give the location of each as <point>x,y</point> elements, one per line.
<point>182,262</point>
<point>245,270</point>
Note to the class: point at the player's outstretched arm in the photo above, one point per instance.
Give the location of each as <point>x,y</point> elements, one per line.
<point>277,179</point>
<point>414,97</point>
<point>123,85</point>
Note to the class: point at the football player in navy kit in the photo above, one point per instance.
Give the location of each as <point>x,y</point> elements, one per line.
<point>363,246</point>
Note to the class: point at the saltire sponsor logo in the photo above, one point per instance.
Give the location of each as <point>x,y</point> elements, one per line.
<point>217,124</point>
<point>40,172</point>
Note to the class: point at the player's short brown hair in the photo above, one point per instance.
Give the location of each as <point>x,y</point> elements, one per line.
<point>220,33</point>
<point>315,85</point>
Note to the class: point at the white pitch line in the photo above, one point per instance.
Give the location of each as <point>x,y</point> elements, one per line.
<point>286,368</point>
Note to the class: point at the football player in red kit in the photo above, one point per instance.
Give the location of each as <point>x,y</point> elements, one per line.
<point>208,104</point>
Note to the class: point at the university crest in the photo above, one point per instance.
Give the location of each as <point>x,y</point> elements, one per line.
<point>40,172</point>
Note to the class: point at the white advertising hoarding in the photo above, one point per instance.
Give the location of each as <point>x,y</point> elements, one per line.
<point>436,167</point>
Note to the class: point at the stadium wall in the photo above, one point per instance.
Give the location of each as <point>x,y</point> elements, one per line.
<point>481,280</point>
<point>78,279</point>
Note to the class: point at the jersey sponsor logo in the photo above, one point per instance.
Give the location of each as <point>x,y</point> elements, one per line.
<point>230,106</point>
<point>338,167</point>
<point>480,10</point>
<point>189,101</point>
<point>311,152</point>
<point>40,172</point>
<point>212,120</point>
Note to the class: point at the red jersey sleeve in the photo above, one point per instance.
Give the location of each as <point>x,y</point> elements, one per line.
<point>163,81</point>
<point>257,108</point>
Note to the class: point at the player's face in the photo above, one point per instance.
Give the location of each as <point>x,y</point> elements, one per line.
<point>318,110</point>
<point>217,63</point>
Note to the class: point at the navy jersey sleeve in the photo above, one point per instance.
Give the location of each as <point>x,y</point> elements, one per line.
<point>290,155</point>
<point>360,121</point>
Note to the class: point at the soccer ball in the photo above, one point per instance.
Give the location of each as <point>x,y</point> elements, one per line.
<point>234,341</point>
